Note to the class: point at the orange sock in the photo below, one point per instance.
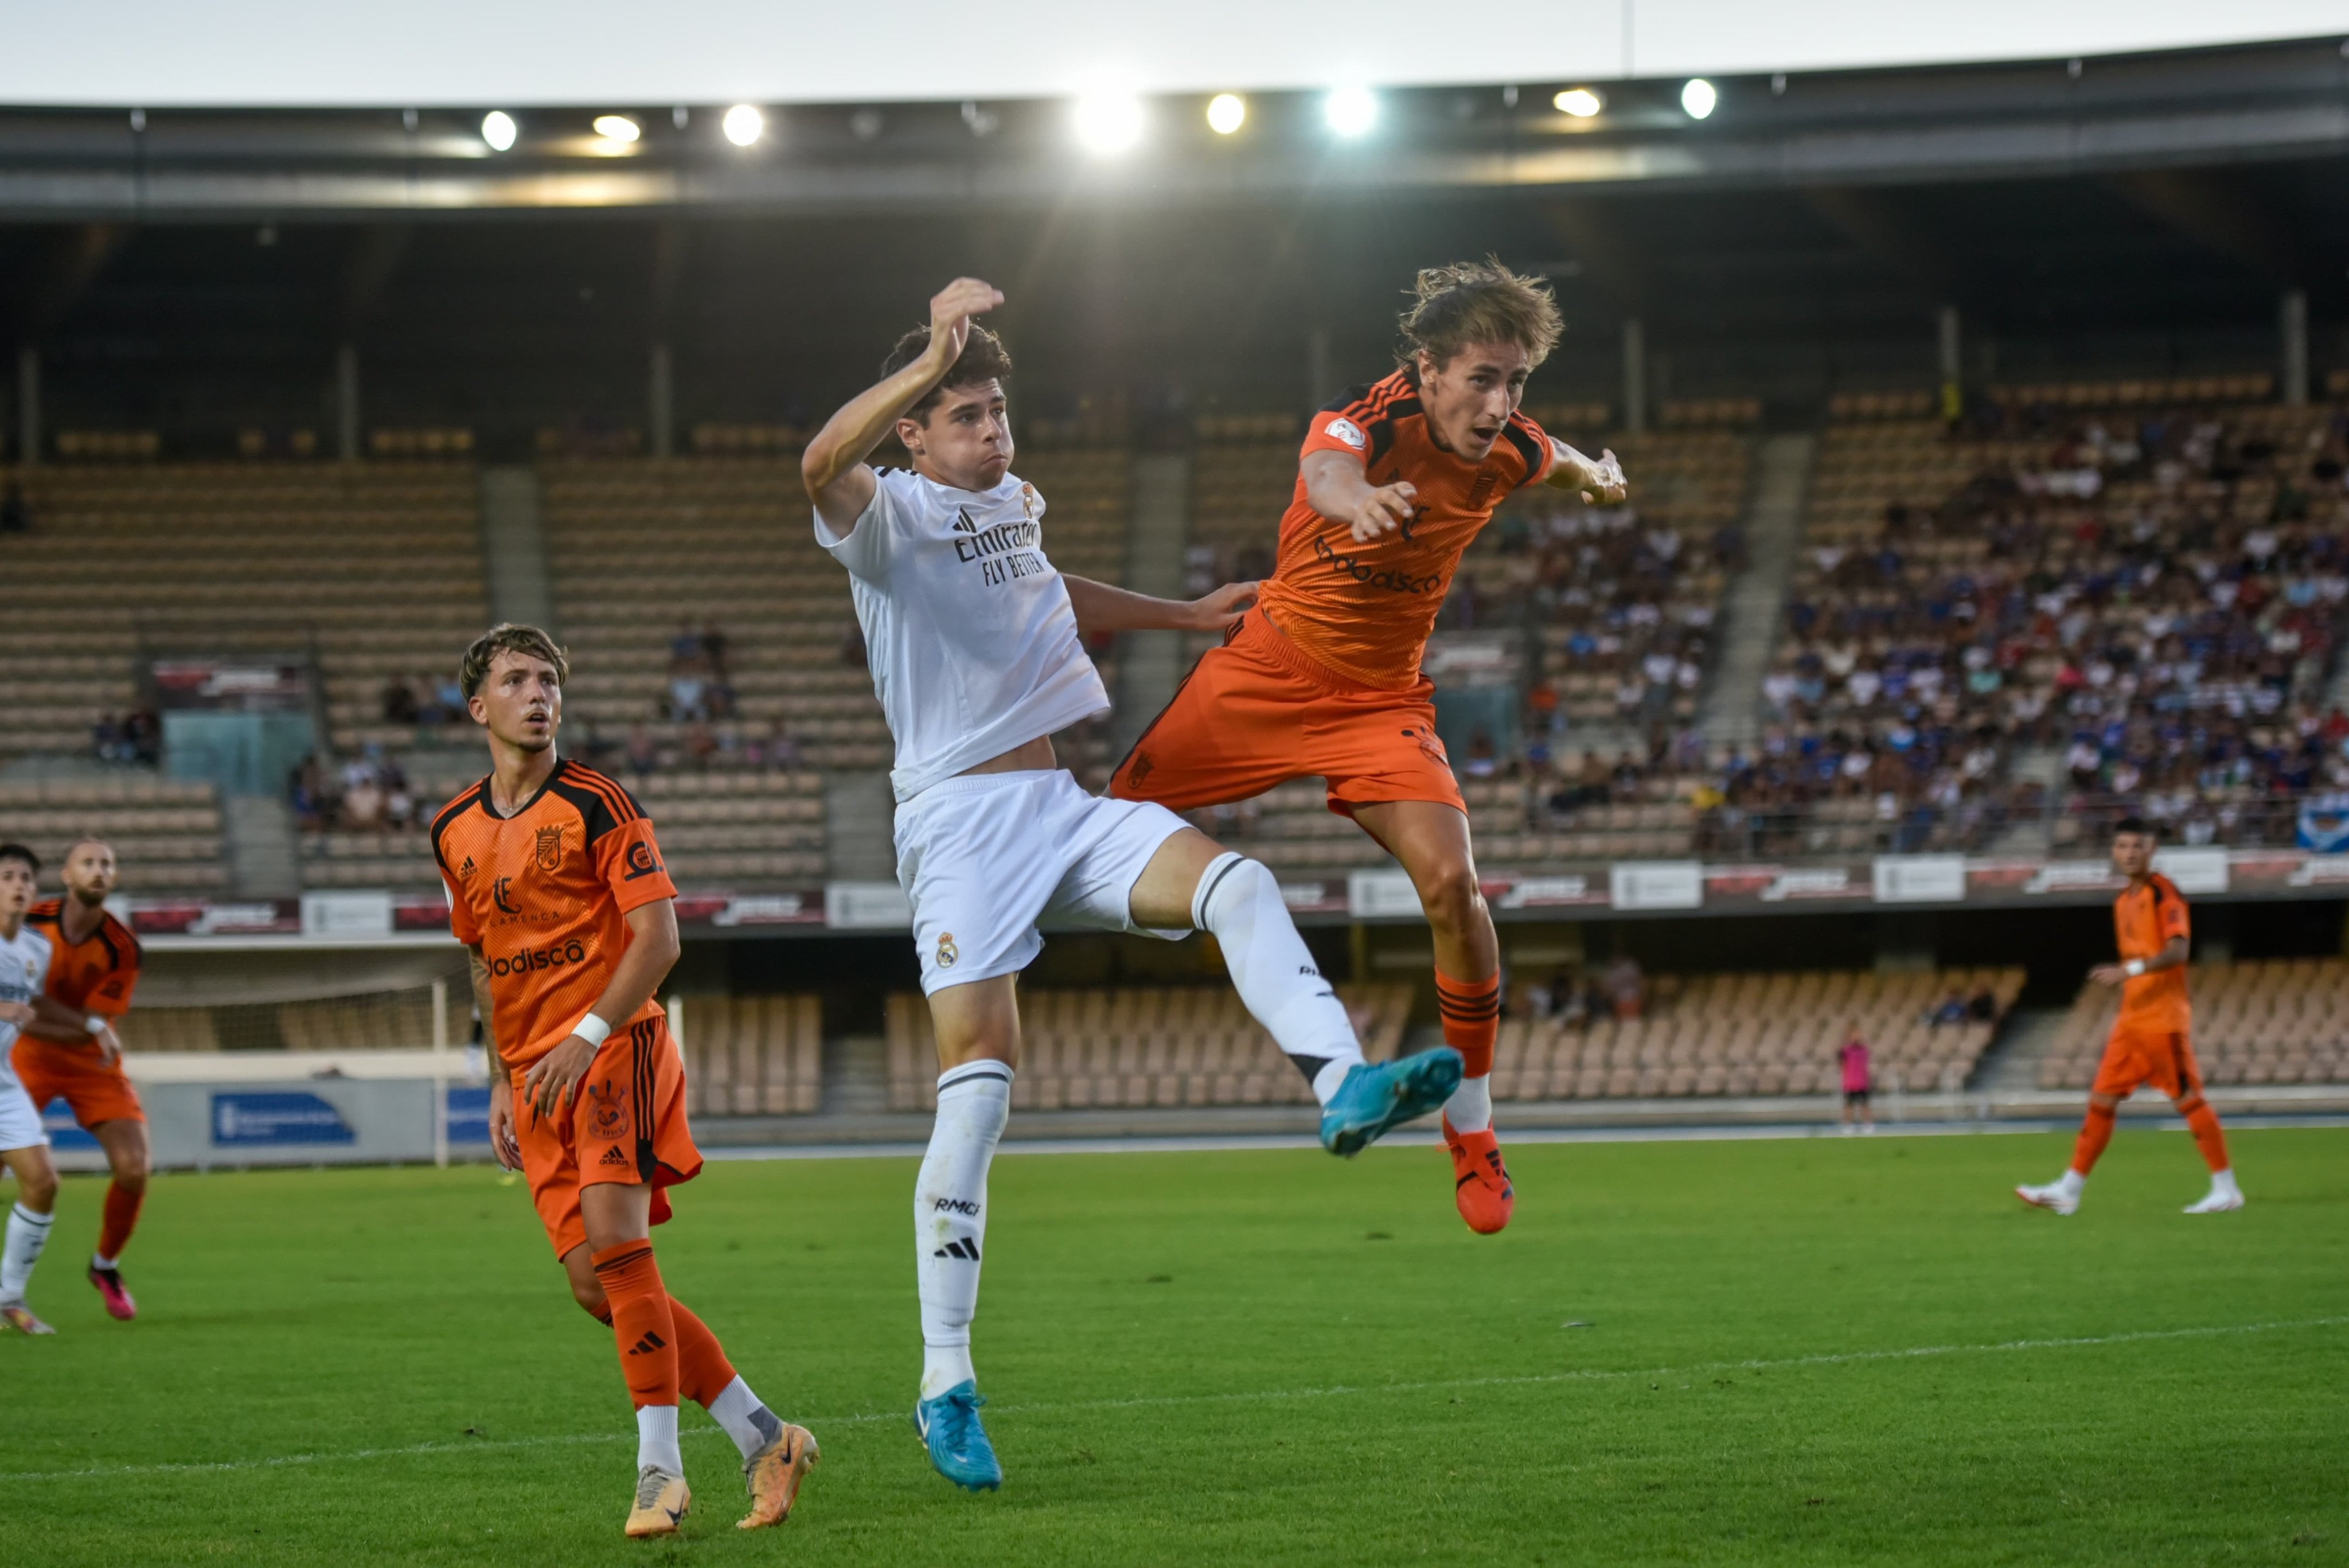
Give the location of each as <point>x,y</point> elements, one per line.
<point>703,1371</point>
<point>2203,1122</point>
<point>642,1324</point>
<point>122,1205</point>
<point>1471,1010</point>
<point>2094,1132</point>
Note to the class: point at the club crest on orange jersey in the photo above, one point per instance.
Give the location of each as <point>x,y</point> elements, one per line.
<point>607,1109</point>
<point>948,954</point>
<point>550,848</point>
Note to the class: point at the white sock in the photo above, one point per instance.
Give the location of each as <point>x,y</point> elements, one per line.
<point>2224,1182</point>
<point>27,1234</point>
<point>1470,1108</point>
<point>657,1438</point>
<point>98,1262</point>
<point>2070,1183</point>
<point>746,1418</point>
<point>950,1215</point>
<point>1239,902</point>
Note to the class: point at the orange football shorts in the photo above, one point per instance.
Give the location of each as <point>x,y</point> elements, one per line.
<point>626,1124</point>
<point>77,1076</point>
<point>1259,712</point>
<point>2135,1055</point>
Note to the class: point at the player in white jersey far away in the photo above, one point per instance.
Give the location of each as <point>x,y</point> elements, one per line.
<point>24,1146</point>
<point>975,651</point>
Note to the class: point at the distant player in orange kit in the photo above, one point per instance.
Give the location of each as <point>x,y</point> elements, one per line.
<point>2151,1040</point>
<point>71,1052</point>
<point>1322,678</point>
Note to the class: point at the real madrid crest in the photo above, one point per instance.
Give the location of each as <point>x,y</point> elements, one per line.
<point>947,953</point>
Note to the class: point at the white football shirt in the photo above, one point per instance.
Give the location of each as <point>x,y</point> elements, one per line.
<point>967,626</point>
<point>24,970</point>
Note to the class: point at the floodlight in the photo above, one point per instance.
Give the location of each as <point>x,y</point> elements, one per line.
<point>1350,111</point>
<point>744,124</point>
<point>1108,122</point>
<point>1227,112</point>
<point>1698,98</point>
<point>498,128</point>
<point>1579,102</point>
<point>617,128</point>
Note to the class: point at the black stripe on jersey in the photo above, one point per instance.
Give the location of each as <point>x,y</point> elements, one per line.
<point>1529,446</point>
<point>624,804</point>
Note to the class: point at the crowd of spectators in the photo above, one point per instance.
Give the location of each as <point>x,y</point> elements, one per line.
<point>135,738</point>
<point>369,792</point>
<point>1579,995</point>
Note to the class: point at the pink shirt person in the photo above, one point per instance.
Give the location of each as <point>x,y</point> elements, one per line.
<point>1853,1054</point>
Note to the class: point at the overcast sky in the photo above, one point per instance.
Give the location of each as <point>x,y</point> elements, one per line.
<point>485,53</point>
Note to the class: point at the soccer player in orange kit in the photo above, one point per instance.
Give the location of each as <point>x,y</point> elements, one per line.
<point>556,888</point>
<point>2151,1041</point>
<point>1322,678</point>
<point>71,1051</point>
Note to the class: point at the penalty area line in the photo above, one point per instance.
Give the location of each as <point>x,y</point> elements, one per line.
<point>1254,1396</point>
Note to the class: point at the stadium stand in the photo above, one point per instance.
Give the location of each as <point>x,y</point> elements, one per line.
<point>1184,1045</point>
<point>1745,1034</point>
<point>2277,1021</point>
<point>752,1055</point>
<point>166,833</point>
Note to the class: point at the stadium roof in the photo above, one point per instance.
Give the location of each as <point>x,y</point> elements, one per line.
<point>459,53</point>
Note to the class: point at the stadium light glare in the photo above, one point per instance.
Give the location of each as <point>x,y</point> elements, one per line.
<point>1227,112</point>
<point>1350,111</point>
<point>1698,98</point>
<point>498,128</point>
<point>1108,122</point>
<point>617,128</point>
<point>744,124</point>
<point>1579,102</point>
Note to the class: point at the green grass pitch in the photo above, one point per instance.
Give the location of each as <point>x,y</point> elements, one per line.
<point>1813,1351</point>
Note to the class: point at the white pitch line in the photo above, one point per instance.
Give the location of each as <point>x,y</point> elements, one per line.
<point>1158,1401</point>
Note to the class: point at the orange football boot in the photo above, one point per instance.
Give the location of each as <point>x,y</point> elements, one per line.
<point>1481,1185</point>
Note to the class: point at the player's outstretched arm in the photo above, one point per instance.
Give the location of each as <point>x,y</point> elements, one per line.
<point>53,1020</point>
<point>554,1079</point>
<point>832,467</point>
<point>1600,479</point>
<point>1102,608</point>
<point>1338,487</point>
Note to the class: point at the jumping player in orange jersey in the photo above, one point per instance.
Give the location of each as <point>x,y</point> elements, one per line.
<point>71,1051</point>
<point>2150,1041</point>
<point>556,887</point>
<point>1322,677</point>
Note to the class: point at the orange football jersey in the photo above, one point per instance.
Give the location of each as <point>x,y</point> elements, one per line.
<point>1365,610</point>
<point>543,895</point>
<point>2144,921</point>
<point>96,974</point>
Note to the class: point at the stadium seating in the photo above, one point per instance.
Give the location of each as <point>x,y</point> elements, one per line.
<point>2275,1020</point>
<point>166,833</point>
<point>752,1055</point>
<point>1188,1045</point>
<point>1747,1034</point>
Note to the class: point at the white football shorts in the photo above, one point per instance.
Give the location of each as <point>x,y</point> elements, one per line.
<point>987,858</point>
<point>20,1119</point>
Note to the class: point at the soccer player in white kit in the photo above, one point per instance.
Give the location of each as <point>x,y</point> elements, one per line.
<point>975,645</point>
<point>24,1146</point>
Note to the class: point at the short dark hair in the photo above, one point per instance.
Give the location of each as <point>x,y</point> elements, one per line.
<point>1479,302</point>
<point>983,359</point>
<point>510,637</point>
<point>2133,825</point>
<point>18,852</point>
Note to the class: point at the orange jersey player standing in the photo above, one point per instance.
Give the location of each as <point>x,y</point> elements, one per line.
<point>2152,1039</point>
<point>557,889</point>
<point>71,1051</point>
<point>1322,677</point>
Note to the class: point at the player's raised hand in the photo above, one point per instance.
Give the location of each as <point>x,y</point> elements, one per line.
<point>1383,511</point>
<point>552,1081</point>
<point>1220,610</point>
<point>951,309</point>
<point>1601,480</point>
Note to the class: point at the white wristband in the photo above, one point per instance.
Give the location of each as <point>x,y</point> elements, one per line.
<point>2134,968</point>
<point>94,1023</point>
<point>593,1030</point>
